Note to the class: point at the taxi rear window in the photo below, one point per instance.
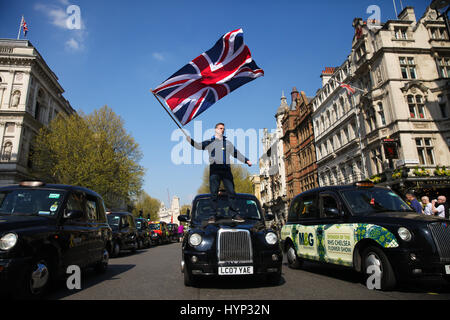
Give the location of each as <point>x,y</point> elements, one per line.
<point>31,202</point>
<point>373,200</point>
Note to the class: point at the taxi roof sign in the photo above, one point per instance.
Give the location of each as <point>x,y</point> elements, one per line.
<point>364,184</point>
<point>31,183</point>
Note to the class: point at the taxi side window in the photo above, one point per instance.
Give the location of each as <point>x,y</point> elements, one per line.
<point>131,221</point>
<point>75,202</point>
<point>305,207</point>
<point>330,207</point>
<point>91,208</point>
<point>124,222</point>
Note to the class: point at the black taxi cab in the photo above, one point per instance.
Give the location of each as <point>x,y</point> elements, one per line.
<point>125,235</point>
<point>44,228</point>
<point>366,227</point>
<point>235,243</point>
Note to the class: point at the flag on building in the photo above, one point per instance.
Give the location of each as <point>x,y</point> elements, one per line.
<point>349,88</point>
<point>24,27</point>
<point>209,77</point>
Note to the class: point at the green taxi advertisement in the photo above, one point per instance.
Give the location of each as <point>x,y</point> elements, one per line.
<point>370,229</point>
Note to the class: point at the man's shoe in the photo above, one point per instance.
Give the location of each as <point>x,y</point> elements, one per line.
<point>238,218</point>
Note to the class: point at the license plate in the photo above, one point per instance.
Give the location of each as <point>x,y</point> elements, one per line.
<point>230,271</point>
<point>447,269</point>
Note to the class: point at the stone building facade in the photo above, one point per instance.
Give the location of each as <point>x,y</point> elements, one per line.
<point>299,147</point>
<point>272,182</point>
<point>30,97</point>
<point>402,68</point>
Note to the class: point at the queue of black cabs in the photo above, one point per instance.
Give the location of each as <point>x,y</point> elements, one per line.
<point>234,243</point>
<point>44,229</point>
<point>365,227</point>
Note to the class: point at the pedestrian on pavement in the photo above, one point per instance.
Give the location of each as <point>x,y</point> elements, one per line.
<point>180,232</point>
<point>427,206</point>
<point>220,150</point>
<point>440,207</point>
<point>413,202</point>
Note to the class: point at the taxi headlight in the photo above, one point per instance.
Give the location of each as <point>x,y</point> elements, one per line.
<point>8,241</point>
<point>195,239</point>
<point>271,238</point>
<point>404,234</point>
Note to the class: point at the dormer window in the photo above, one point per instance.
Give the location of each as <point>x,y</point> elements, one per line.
<point>401,33</point>
<point>437,33</point>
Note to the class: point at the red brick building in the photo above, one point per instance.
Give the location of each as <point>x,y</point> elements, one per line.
<point>299,147</point>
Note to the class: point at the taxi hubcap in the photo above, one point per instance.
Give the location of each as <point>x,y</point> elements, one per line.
<point>39,276</point>
<point>291,255</point>
<point>373,260</point>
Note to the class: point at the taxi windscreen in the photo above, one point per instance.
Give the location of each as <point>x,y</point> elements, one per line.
<point>113,221</point>
<point>247,209</point>
<point>374,200</point>
<point>30,202</point>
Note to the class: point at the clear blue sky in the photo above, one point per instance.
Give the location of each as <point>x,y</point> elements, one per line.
<point>124,48</point>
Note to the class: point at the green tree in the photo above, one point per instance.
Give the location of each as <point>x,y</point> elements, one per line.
<point>241,178</point>
<point>148,206</point>
<point>92,151</point>
<point>184,208</point>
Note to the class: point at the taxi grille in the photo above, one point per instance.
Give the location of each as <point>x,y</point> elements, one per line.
<point>234,246</point>
<point>441,235</point>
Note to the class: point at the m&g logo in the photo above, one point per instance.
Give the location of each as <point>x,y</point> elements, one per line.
<point>306,239</point>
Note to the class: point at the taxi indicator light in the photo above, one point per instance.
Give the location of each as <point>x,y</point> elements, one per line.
<point>31,183</point>
<point>364,184</point>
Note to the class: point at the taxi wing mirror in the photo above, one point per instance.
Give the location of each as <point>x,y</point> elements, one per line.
<point>270,217</point>
<point>183,218</point>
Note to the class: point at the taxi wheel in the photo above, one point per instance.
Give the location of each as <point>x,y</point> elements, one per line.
<point>274,278</point>
<point>36,281</point>
<point>102,265</point>
<point>189,279</point>
<point>373,256</point>
<point>115,249</point>
<point>294,261</point>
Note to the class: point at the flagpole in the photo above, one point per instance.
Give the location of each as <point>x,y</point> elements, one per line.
<point>176,122</point>
<point>20,28</point>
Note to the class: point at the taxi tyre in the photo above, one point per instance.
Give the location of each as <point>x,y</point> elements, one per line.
<point>189,279</point>
<point>102,265</point>
<point>294,262</point>
<point>388,280</point>
<point>274,278</point>
<point>115,249</point>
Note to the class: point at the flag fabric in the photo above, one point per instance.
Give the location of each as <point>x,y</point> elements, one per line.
<point>349,88</point>
<point>24,27</point>
<point>209,77</point>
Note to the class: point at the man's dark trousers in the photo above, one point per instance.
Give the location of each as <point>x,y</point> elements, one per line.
<point>222,173</point>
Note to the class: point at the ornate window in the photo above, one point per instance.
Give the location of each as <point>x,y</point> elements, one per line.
<point>416,107</point>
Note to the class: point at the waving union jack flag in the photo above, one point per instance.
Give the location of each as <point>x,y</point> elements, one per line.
<point>209,77</point>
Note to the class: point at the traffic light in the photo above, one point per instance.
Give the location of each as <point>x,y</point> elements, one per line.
<point>390,149</point>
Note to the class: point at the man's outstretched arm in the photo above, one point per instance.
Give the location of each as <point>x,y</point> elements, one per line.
<point>196,145</point>
<point>238,155</point>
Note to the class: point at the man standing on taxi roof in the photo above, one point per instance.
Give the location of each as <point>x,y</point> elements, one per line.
<point>220,150</point>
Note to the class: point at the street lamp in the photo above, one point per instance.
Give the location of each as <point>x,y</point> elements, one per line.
<point>441,4</point>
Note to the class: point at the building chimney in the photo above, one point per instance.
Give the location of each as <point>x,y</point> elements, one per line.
<point>407,14</point>
<point>326,75</point>
<point>294,95</point>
